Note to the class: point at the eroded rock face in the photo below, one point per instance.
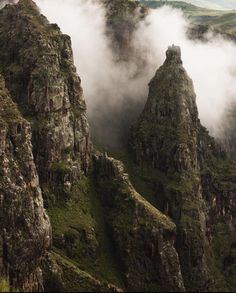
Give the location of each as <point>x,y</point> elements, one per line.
<point>25,232</point>
<point>144,238</point>
<point>40,74</point>
<point>166,132</point>
<point>191,185</point>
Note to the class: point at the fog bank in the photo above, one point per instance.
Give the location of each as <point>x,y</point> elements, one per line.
<point>116,92</point>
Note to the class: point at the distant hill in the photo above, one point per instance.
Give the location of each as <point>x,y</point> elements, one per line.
<point>221,20</point>
<point>223,4</point>
<point>210,4</point>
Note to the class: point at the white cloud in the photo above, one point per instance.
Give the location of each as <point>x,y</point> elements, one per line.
<point>113,89</point>
<point>211,65</point>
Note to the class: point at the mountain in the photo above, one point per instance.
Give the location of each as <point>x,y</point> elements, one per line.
<point>215,4</point>
<point>223,21</point>
<point>210,4</point>
<point>90,243</point>
<point>162,219</point>
<point>169,138</point>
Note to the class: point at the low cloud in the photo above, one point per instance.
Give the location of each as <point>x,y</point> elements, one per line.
<point>115,92</point>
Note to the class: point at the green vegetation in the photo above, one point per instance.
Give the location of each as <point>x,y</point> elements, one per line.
<point>37,124</point>
<point>75,279</point>
<point>10,114</point>
<point>39,22</point>
<point>221,243</point>
<point>77,111</point>
<point>220,20</point>
<point>60,167</point>
<point>4,286</point>
<point>154,4</point>
<point>216,254</point>
<point>155,186</point>
<point>80,233</point>
<point>222,172</point>
<point>140,178</point>
<point>68,151</point>
<point>8,110</point>
<point>149,182</point>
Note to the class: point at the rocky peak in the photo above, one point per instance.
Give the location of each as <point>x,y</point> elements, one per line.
<point>173,54</point>
<point>167,128</point>
<point>169,138</point>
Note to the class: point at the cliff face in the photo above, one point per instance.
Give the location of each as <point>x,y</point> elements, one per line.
<point>37,63</point>
<point>25,231</point>
<point>193,190</point>
<point>143,237</point>
<point>106,236</point>
<point>171,115</point>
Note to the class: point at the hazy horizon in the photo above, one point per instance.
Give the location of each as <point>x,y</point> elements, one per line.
<point>212,4</point>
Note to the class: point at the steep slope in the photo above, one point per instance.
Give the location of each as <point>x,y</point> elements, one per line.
<point>144,238</point>
<point>36,60</point>
<point>190,183</point>
<point>25,231</point>
<point>37,63</point>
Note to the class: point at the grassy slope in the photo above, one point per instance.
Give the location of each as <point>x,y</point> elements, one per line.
<point>142,184</point>
<point>84,213</point>
<point>224,21</point>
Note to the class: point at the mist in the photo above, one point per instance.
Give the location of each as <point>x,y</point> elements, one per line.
<point>116,92</point>
<point>4,2</point>
<point>111,88</point>
<point>211,64</point>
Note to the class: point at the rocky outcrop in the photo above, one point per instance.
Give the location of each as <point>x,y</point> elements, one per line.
<point>143,237</point>
<point>42,79</point>
<point>169,138</point>
<point>122,18</point>
<point>25,231</point>
<point>166,132</point>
